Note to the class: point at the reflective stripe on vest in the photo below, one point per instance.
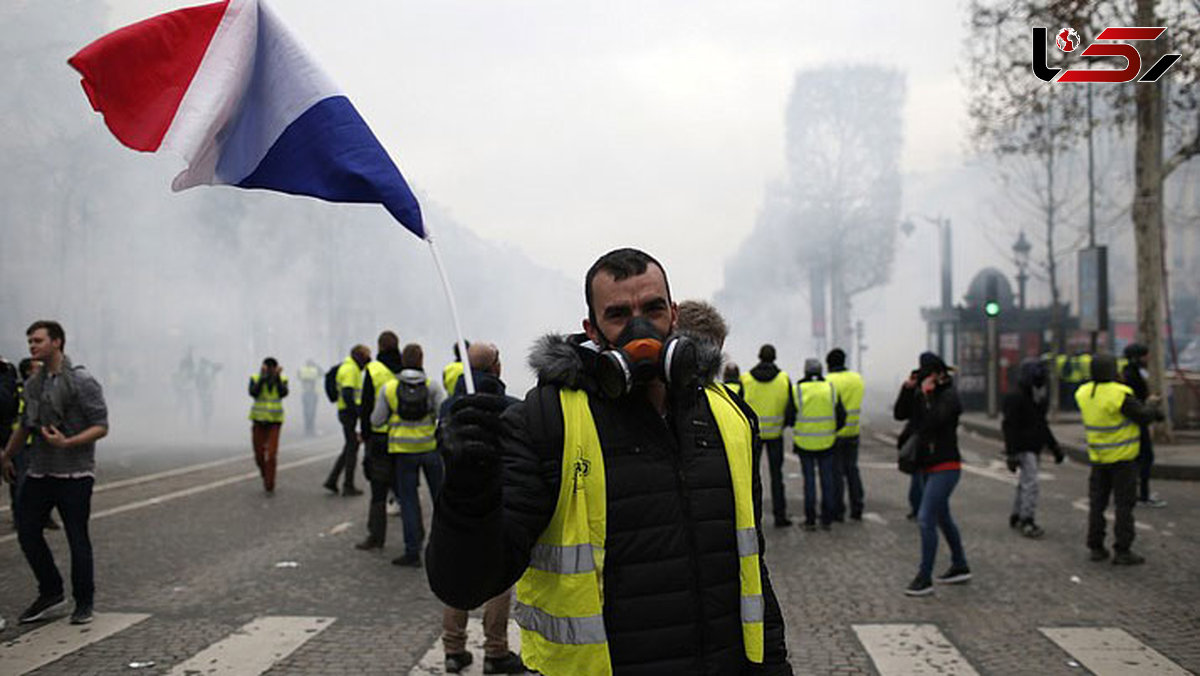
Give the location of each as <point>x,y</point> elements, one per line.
<point>1111,437</point>
<point>816,424</point>
<point>408,436</point>
<point>349,375</point>
<point>560,598</point>
<point>849,386</point>
<point>380,376</point>
<point>268,405</point>
<point>769,401</point>
<point>450,376</point>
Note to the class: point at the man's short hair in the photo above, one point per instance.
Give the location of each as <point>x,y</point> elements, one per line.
<point>388,340</point>
<point>413,357</point>
<point>360,349</point>
<point>621,264</point>
<point>700,319</point>
<point>53,329</point>
<point>767,353</point>
<point>836,358</point>
<point>270,362</point>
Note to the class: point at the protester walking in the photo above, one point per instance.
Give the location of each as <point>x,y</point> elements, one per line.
<point>349,378</point>
<point>377,462</point>
<point>847,481</point>
<point>1026,433</point>
<point>268,387</point>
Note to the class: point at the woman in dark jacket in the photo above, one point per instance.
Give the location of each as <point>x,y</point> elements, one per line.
<point>930,404</point>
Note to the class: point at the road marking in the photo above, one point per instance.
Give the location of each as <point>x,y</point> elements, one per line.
<point>179,471</point>
<point>45,644</point>
<point>255,647</point>
<point>1108,651</point>
<point>903,649</point>
<point>168,497</point>
<point>1082,505</point>
<point>434,659</point>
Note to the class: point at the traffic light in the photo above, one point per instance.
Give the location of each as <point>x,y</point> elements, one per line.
<point>991,304</point>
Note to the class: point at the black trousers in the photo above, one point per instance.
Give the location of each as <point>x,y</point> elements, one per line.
<point>73,498</point>
<point>846,478</point>
<point>349,456</point>
<point>775,462</point>
<point>377,465</point>
<point>1118,480</point>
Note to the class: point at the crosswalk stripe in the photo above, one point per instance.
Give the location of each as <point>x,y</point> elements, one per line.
<point>434,658</point>
<point>255,647</point>
<point>1108,651</point>
<point>903,649</point>
<point>50,642</point>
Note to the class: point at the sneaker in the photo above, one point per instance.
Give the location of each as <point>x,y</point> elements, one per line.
<point>331,486</point>
<point>920,586</point>
<point>43,606</point>
<point>783,522</point>
<point>82,614</point>
<point>1153,501</point>
<point>1098,554</point>
<point>408,561</point>
<point>368,544</point>
<point>509,664</point>
<point>955,575</point>
<point>1128,558</point>
<point>456,662</point>
<point>1031,530</point>
<point>351,491</point>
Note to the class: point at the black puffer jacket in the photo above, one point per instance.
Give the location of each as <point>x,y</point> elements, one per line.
<point>934,418</point>
<point>671,590</point>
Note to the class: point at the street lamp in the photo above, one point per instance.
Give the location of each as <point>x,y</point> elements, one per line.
<point>1021,251</point>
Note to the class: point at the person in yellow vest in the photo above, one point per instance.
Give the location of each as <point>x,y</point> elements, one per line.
<point>733,379</point>
<point>309,374</point>
<point>268,387</point>
<point>349,385</point>
<point>768,391</point>
<point>847,481</point>
<point>618,496</point>
<point>377,462</point>
<point>408,405</point>
<point>1111,416</point>
<point>819,416</point>
<point>453,371</point>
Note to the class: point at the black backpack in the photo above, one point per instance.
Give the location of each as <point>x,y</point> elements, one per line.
<point>331,388</point>
<point>412,400</point>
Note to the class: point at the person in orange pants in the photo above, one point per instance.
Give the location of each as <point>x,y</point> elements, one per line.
<point>268,387</point>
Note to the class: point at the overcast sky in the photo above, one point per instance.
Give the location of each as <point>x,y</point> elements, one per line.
<point>569,128</point>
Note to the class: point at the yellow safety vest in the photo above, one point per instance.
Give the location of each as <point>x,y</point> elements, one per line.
<point>308,375</point>
<point>735,386</point>
<point>268,405</point>
<point>769,401</point>
<point>349,375</point>
<point>380,376</point>
<point>816,425</point>
<point>408,436</point>
<point>849,386</point>
<point>450,376</point>
<point>560,598</point>
<point>1111,437</point>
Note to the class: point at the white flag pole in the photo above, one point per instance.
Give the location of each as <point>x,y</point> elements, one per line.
<point>462,344</point>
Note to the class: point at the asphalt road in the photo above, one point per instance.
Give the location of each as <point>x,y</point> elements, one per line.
<point>199,571</point>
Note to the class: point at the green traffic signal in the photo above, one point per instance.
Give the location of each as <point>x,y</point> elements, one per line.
<point>991,308</point>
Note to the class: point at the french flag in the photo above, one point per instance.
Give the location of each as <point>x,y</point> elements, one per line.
<point>226,87</point>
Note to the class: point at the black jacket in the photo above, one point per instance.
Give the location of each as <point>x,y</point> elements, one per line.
<point>671,589</point>
<point>934,419</point>
<point>1131,375</point>
<point>390,359</point>
<point>1024,424</point>
<point>765,372</point>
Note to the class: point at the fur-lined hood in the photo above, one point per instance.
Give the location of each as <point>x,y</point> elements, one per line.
<point>570,361</point>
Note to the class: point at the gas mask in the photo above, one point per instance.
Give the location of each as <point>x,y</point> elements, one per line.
<point>640,354</point>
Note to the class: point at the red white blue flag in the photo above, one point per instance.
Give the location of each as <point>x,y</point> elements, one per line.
<point>226,87</point>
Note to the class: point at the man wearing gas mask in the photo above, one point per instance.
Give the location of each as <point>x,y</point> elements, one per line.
<point>618,496</point>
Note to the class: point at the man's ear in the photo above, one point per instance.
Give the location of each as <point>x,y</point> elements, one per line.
<point>674,316</point>
<point>592,332</point>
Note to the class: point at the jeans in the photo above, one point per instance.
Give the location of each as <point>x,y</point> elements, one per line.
<point>73,498</point>
<point>407,466</point>
<point>916,486</point>
<point>1025,502</point>
<point>1145,462</point>
<point>1118,479</point>
<point>846,478</point>
<point>934,514</point>
<point>822,463</point>
<point>349,456</point>
<point>775,462</point>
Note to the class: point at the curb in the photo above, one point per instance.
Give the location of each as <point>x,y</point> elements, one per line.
<point>1078,454</point>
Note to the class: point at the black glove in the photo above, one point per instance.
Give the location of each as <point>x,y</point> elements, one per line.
<point>472,432</point>
<point>1012,463</point>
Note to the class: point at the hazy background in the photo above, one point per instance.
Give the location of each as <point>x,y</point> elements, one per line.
<point>537,134</point>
